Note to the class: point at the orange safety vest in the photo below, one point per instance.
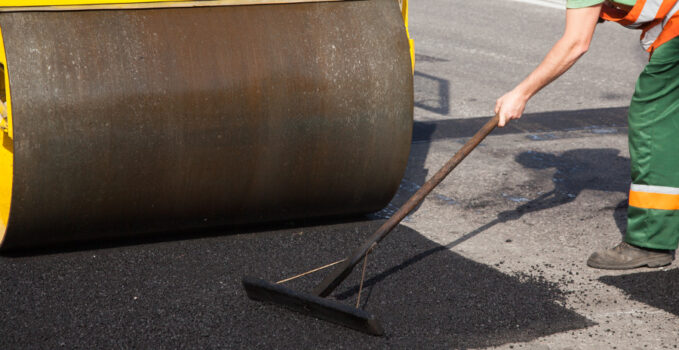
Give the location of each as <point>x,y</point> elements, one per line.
<point>658,20</point>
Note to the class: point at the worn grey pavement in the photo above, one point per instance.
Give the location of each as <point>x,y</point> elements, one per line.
<point>494,257</point>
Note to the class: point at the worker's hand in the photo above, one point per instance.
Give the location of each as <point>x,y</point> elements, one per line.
<point>510,106</point>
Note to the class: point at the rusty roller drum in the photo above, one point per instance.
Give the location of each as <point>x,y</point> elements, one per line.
<point>132,122</point>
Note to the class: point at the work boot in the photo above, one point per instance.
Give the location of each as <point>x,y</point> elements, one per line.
<point>626,256</point>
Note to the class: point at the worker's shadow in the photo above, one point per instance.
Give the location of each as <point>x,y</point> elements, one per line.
<point>574,172</point>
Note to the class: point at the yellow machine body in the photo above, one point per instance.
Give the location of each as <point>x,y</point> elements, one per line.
<point>71,5</point>
<point>6,149</point>
<point>73,2</point>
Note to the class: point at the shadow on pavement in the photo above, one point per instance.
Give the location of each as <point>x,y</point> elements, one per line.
<point>656,288</point>
<point>432,93</point>
<point>596,120</point>
<point>600,169</point>
<point>575,170</point>
<point>187,293</point>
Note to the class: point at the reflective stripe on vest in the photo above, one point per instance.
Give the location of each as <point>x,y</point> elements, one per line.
<point>654,197</point>
<point>658,20</point>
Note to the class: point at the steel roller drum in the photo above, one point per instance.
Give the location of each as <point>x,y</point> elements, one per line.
<point>131,122</point>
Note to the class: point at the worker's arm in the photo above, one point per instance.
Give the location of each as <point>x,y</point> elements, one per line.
<point>580,24</point>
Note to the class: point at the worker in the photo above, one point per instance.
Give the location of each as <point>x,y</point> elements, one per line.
<point>653,214</point>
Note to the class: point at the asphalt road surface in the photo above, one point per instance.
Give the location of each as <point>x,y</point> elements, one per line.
<point>494,258</point>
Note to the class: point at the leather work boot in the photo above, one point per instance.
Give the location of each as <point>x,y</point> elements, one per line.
<point>626,256</point>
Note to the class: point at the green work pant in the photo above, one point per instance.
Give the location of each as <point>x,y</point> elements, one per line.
<point>653,214</point>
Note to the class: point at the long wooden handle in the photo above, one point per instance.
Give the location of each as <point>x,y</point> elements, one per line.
<point>343,270</point>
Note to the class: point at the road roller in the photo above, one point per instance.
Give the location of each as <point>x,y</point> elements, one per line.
<point>129,118</point>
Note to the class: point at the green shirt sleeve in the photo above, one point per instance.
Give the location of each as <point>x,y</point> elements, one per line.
<point>576,4</point>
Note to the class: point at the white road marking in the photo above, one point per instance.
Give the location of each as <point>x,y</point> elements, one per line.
<point>555,4</point>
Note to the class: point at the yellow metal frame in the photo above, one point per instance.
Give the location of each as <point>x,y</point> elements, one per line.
<point>73,2</point>
<point>83,5</point>
<point>404,12</point>
<point>6,151</point>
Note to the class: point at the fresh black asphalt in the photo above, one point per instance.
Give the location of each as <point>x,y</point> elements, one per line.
<point>185,292</point>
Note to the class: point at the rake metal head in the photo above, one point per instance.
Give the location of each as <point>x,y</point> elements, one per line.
<point>312,305</point>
